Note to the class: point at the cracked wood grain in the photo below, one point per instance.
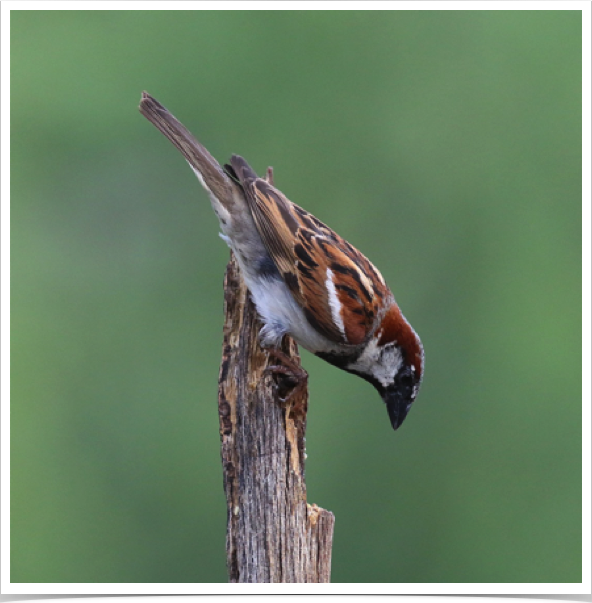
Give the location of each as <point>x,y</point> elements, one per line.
<point>273,534</point>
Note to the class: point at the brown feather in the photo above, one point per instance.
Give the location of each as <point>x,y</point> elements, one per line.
<point>395,328</point>
<point>194,152</point>
<point>303,249</point>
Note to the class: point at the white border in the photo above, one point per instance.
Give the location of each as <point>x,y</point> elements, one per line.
<point>217,588</point>
<point>582,5</point>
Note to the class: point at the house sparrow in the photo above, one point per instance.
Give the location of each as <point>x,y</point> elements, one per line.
<point>305,280</point>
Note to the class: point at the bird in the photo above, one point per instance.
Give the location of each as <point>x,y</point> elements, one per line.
<point>306,281</point>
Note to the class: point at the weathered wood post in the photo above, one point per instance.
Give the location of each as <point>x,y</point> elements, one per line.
<point>273,534</point>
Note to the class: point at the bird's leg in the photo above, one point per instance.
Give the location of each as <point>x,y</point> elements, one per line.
<point>294,379</point>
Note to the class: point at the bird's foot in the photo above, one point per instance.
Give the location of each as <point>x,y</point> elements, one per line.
<point>293,381</point>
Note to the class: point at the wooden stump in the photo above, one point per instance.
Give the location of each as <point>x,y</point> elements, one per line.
<point>273,534</point>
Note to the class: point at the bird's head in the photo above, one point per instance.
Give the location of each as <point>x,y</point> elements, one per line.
<point>400,394</point>
<point>393,361</point>
<point>406,365</point>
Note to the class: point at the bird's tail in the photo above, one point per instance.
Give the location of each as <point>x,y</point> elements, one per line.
<point>207,169</point>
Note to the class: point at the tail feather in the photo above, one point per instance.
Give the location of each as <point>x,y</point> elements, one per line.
<point>208,170</point>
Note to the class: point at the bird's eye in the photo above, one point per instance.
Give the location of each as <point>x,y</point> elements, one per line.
<point>406,379</point>
<point>406,382</point>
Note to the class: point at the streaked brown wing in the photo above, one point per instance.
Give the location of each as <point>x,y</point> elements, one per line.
<point>342,278</point>
<point>317,265</point>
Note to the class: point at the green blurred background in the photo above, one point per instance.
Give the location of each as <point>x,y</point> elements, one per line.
<point>445,145</point>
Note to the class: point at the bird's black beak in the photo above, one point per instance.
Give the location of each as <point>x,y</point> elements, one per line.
<point>399,396</point>
<point>397,408</point>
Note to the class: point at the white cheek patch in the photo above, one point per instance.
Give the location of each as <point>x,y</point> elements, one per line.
<point>334,302</point>
<point>382,363</point>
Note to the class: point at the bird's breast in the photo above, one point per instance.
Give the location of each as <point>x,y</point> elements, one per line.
<point>281,314</point>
